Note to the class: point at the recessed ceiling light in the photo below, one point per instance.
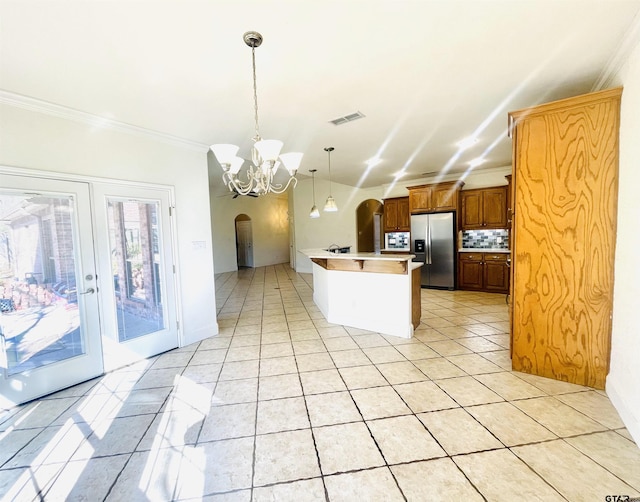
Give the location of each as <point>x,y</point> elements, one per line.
<point>467,142</point>
<point>399,174</point>
<point>373,162</point>
<point>476,162</point>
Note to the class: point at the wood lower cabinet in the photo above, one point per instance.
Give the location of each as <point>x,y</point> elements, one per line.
<point>434,198</point>
<point>396,215</point>
<point>483,272</point>
<point>484,208</point>
<point>565,188</point>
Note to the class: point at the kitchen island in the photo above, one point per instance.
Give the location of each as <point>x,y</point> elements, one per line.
<point>375,292</point>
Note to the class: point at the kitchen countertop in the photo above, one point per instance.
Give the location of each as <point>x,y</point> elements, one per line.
<point>321,253</point>
<point>483,250</point>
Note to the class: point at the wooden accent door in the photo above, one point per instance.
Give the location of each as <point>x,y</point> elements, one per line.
<point>471,209</point>
<point>444,197</point>
<point>419,199</point>
<point>565,189</point>
<point>390,215</point>
<point>470,271</point>
<point>404,217</point>
<point>496,273</point>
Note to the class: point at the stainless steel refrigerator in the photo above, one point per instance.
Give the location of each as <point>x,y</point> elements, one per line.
<point>433,243</point>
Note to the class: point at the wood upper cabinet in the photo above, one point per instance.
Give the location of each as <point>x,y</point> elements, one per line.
<point>434,198</point>
<point>565,187</point>
<point>396,215</point>
<point>484,208</point>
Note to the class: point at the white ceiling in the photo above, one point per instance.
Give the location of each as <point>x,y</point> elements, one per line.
<point>426,74</point>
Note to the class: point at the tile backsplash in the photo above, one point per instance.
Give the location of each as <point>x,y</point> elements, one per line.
<point>483,239</point>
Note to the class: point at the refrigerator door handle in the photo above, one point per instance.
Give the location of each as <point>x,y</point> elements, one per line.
<point>428,250</point>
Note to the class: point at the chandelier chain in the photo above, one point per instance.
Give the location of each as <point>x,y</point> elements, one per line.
<point>255,93</point>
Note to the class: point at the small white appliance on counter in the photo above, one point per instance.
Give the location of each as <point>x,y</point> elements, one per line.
<point>397,241</point>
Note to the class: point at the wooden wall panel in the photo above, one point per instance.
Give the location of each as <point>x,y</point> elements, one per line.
<point>564,239</point>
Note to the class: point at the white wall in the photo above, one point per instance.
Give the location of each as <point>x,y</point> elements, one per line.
<point>34,140</point>
<point>269,223</point>
<point>623,382</point>
<point>331,228</point>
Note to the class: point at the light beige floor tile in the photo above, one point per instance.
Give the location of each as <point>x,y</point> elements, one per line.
<point>346,447</point>
<point>218,466</point>
<point>227,422</point>
<point>401,372</point>
<point>278,366</point>
<point>277,337</point>
<point>333,408</point>
<point>279,386</point>
<point>438,479</point>
<point>45,412</point>
<point>236,391</point>
<point>387,354</point>
<point>572,473</point>
<point>276,350</point>
<point>308,490</point>
<point>456,332</point>
<point>332,331</point>
<point>374,484</point>
<point>308,346</point>
<point>624,433</point>
<point>113,437</point>
<point>285,456</point>
<point>379,402</point>
<point>202,373</point>
<point>340,343</point>
<point>615,453</point>
<point>359,377</point>
<point>148,475</point>
<point>481,329</point>
<point>500,475</point>
<point>300,325</point>
<point>473,364</point>
<point>499,357</point>
<point>509,424</point>
<point>239,370</point>
<point>208,357</point>
<point>15,441</point>
<point>172,359</point>
<point>304,334</point>
<point>479,344</point>
<point>448,348</point>
<point>281,415</point>
<point>509,386</point>
<point>458,432</point>
<point>439,368</point>
<point>314,362</point>
<point>242,353</point>
<point>501,339</point>
<point>215,342</point>
<point>404,439</point>
<point>424,396</point>
<point>467,391</point>
<point>437,322</point>
<point>549,385</point>
<point>244,336</point>
<point>172,429</point>
<point>317,382</point>
<point>235,496</point>
<point>347,358</point>
<point>595,406</point>
<point>370,340</point>
<point>558,417</point>
<point>426,335</point>
<point>415,351</point>
<point>80,478</point>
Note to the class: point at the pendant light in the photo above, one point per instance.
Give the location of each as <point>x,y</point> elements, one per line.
<point>330,205</point>
<point>314,210</point>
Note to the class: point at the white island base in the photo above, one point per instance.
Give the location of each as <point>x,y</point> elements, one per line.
<point>367,291</point>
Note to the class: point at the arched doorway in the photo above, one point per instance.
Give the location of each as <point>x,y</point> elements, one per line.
<point>244,241</point>
<point>369,226</point>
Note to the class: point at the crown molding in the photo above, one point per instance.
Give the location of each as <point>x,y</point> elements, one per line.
<point>627,44</point>
<point>40,106</point>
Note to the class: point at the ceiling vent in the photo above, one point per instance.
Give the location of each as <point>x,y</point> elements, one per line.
<point>347,118</point>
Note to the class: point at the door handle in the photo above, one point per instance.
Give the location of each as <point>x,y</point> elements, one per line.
<point>89,291</point>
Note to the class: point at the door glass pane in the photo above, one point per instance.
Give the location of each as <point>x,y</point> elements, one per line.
<point>39,317</point>
<point>136,264</point>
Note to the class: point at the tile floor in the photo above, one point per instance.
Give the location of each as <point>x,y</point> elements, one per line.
<point>284,406</point>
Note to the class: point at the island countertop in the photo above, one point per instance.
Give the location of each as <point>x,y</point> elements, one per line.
<point>321,253</point>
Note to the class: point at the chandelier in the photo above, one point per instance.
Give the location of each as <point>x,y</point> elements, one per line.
<point>265,154</point>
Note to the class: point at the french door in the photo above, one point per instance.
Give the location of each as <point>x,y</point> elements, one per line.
<point>49,317</point>
<point>136,266</point>
<point>87,281</point>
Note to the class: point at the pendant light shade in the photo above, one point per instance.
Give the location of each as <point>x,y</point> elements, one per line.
<point>330,206</point>
<point>314,210</point>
